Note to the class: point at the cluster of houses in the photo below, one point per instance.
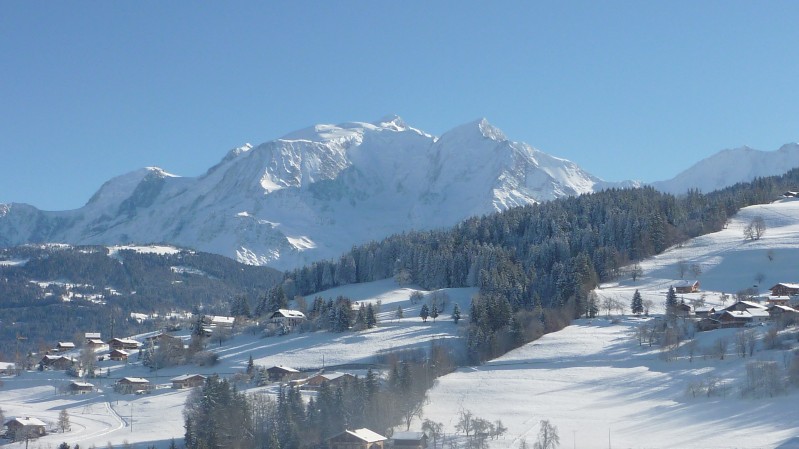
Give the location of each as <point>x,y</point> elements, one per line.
<point>780,305</point>
<point>367,439</point>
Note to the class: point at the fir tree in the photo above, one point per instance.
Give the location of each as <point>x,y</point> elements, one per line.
<point>671,302</point>
<point>637,306</point>
<point>424,313</point>
<point>456,313</point>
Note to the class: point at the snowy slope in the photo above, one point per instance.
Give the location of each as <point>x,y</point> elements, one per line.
<point>732,166</point>
<point>312,194</point>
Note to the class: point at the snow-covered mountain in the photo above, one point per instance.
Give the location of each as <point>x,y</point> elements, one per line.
<point>312,194</point>
<point>729,167</point>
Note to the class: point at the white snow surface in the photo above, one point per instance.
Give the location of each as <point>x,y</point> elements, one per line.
<point>592,379</point>
<point>313,193</point>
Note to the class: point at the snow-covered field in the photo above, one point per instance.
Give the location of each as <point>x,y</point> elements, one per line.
<point>592,379</point>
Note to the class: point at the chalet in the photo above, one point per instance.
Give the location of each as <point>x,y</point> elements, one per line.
<point>219,321</point>
<point>56,362</point>
<point>704,312</point>
<point>357,439</point>
<point>280,372</point>
<point>92,336</point>
<point>94,343</point>
<point>133,385</point>
<point>785,289</point>
<point>188,381</point>
<point>63,346</point>
<point>80,387</point>
<point>158,338</point>
<point>686,287</point>
<point>287,318</point>
<point>333,379</point>
<point>733,318</point>
<point>123,343</point>
<point>777,311</point>
<point>742,306</point>
<point>682,310</point>
<point>790,194</point>
<point>20,427</point>
<point>118,355</point>
<point>409,440</point>
<point>708,323</point>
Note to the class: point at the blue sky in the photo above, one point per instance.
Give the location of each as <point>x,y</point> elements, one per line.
<point>627,90</point>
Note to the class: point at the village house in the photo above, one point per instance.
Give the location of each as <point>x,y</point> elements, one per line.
<point>686,287</point>
<point>222,322</point>
<point>332,379</point>
<point>682,310</point>
<point>94,343</point>
<point>704,312</point>
<point>408,440</point>
<point>187,381</point>
<point>123,343</point>
<point>287,318</point>
<point>18,428</point>
<point>785,289</point>
<point>64,346</point>
<point>158,338</point>
<point>280,372</point>
<point>92,336</point>
<point>80,387</point>
<point>55,362</point>
<point>133,385</point>
<point>357,439</point>
<point>778,311</point>
<point>118,355</point>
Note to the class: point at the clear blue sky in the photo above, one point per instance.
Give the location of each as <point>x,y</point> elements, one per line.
<point>628,90</point>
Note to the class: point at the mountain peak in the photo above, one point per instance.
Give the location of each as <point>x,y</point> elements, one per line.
<point>391,121</point>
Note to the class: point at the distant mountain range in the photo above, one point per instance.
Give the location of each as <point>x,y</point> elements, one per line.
<point>314,193</point>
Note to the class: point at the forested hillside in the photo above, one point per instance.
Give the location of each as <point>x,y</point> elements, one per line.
<point>544,258</point>
<point>91,289</point>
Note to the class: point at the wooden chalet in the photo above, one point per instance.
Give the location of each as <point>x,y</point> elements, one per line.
<point>704,312</point>
<point>357,439</point>
<point>785,289</point>
<point>280,372</point>
<point>686,287</point>
<point>80,387</point>
<point>123,343</point>
<point>118,355</point>
<point>64,346</point>
<point>187,381</point>
<point>94,343</point>
<point>18,428</point>
<point>708,323</point>
<point>133,385</point>
<point>333,379</point>
<point>287,318</point>
<point>220,321</point>
<point>682,310</point>
<point>159,338</point>
<point>56,362</point>
<point>778,311</point>
<point>408,440</point>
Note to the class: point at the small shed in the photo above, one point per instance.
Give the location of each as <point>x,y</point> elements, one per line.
<point>187,381</point>
<point>20,427</point>
<point>409,440</point>
<point>357,439</point>
<point>80,387</point>
<point>280,372</point>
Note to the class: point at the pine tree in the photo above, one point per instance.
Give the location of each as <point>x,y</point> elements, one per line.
<point>671,302</point>
<point>434,312</point>
<point>424,313</point>
<point>456,313</point>
<point>250,366</point>
<point>399,313</point>
<point>371,317</point>
<point>637,306</point>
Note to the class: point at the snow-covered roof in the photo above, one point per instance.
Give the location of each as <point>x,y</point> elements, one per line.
<point>412,436</point>
<point>82,384</point>
<point>90,335</point>
<point>27,421</point>
<point>288,313</point>
<point>783,308</point>
<point>125,340</point>
<point>284,368</point>
<point>95,341</point>
<point>7,365</point>
<point>367,435</point>
<point>120,352</point>
<point>684,283</point>
<point>135,380</point>
<point>753,305</point>
<point>222,319</point>
<point>186,377</point>
<point>787,285</point>
<point>66,344</point>
<point>333,376</point>
<point>758,312</point>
